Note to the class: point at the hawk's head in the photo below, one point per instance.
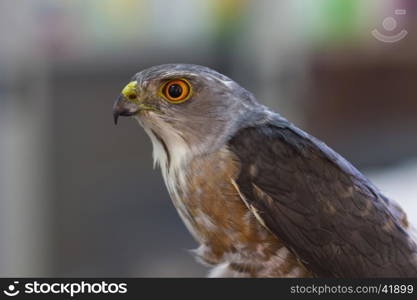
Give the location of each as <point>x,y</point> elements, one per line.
<point>186,109</point>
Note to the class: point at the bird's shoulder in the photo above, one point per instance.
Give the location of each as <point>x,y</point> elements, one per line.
<point>325,210</point>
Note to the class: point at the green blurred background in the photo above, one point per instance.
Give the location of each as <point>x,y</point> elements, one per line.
<point>79,197</point>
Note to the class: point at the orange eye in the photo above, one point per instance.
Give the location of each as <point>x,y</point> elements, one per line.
<point>176,91</point>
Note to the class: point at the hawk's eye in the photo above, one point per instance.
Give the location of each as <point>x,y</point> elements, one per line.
<point>176,91</point>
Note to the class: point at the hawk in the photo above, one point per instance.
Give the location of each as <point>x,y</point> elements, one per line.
<point>262,197</point>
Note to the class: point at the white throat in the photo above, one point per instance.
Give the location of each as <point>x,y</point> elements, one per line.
<point>173,164</point>
<point>170,152</point>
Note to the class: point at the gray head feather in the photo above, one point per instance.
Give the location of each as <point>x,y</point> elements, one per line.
<point>217,109</point>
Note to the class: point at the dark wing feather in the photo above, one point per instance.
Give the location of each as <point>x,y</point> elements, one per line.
<point>323,209</point>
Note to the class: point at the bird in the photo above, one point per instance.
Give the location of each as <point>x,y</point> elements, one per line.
<point>261,197</point>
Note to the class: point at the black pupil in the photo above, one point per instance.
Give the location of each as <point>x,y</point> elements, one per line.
<point>175,90</point>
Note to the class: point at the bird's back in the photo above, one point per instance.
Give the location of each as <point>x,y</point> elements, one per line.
<point>320,206</point>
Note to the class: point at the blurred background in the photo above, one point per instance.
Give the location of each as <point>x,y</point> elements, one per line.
<point>79,197</point>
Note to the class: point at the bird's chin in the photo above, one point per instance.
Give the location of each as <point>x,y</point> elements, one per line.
<point>139,117</point>
<point>144,114</point>
<point>146,117</point>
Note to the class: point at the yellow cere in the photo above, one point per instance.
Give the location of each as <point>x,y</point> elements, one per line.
<point>129,90</point>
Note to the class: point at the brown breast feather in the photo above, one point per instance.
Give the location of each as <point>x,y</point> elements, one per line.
<point>229,230</point>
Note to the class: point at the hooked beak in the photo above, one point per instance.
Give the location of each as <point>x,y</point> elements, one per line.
<point>122,107</point>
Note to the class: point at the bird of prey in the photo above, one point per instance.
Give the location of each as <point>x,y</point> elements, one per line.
<point>262,197</point>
